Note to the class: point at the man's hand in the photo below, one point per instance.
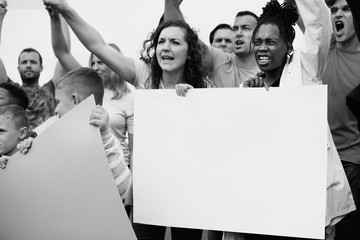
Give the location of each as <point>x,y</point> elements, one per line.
<point>3,8</point>
<point>57,5</point>
<point>100,118</point>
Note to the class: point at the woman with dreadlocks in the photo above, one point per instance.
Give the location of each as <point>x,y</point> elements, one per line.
<point>281,65</point>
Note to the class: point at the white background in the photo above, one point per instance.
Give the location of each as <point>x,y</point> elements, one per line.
<point>126,23</point>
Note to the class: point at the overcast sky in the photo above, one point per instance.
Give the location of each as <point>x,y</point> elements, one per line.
<point>126,23</point>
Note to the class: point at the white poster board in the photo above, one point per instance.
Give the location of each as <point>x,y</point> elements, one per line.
<point>241,160</point>
<point>63,188</point>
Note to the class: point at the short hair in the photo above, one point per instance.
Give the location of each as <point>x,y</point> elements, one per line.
<point>220,26</point>
<point>15,114</point>
<point>329,3</point>
<point>31,50</point>
<point>245,13</point>
<point>83,81</point>
<point>17,95</point>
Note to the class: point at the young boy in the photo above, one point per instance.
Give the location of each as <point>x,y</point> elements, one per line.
<point>11,93</point>
<point>75,87</point>
<point>14,125</point>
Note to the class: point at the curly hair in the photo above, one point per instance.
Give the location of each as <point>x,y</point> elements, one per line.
<point>282,15</point>
<point>194,70</point>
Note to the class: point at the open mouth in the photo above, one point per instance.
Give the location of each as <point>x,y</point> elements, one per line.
<point>339,25</point>
<point>168,58</point>
<point>239,42</point>
<point>263,59</point>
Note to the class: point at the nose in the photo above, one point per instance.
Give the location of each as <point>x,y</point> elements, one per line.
<point>262,47</point>
<point>95,67</point>
<point>339,12</point>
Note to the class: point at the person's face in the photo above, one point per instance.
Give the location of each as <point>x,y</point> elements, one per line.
<point>224,39</point>
<point>342,21</point>
<point>270,48</point>
<point>10,136</point>
<point>29,67</point>
<point>98,66</point>
<point>4,97</point>
<point>243,29</point>
<point>172,49</point>
<point>64,101</point>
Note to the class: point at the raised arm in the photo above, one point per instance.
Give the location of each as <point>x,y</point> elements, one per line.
<point>314,49</point>
<point>3,10</point>
<point>60,43</point>
<point>123,66</point>
<point>172,10</point>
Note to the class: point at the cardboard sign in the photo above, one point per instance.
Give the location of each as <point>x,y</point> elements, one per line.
<point>63,188</point>
<point>239,160</point>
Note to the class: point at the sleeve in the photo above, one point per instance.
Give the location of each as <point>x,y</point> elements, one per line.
<point>316,43</point>
<point>142,73</point>
<point>119,169</point>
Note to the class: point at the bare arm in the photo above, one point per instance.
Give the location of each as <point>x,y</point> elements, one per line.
<point>172,10</point>
<point>61,42</point>
<point>123,66</point>
<point>3,10</point>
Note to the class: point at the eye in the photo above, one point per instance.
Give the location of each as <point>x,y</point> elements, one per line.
<point>333,10</point>
<point>257,42</point>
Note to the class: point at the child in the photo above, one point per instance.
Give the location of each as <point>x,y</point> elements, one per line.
<point>75,87</point>
<point>11,93</point>
<point>14,125</point>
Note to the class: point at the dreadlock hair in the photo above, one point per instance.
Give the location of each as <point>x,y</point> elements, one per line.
<point>194,70</point>
<point>284,16</point>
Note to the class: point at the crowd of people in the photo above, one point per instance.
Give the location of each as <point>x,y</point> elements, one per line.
<point>256,51</point>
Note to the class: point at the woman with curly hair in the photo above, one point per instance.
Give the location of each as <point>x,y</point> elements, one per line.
<point>172,55</point>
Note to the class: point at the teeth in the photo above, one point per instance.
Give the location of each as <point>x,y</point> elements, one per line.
<point>264,58</point>
<point>167,58</point>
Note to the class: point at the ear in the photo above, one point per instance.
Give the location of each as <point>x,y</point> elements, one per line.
<point>23,133</point>
<point>18,68</point>
<point>41,68</point>
<point>76,98</point>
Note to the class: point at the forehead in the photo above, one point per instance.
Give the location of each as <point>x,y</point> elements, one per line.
<point>4,97</point>
<point>6,122</point>
<point>268,30</point>
<point>173,32</point>
<point>338,3</point>
<point>245,20</point>
<point>29,56</point>
<point>62,93</point>
<point>223,32</point>
<point>3,91</point>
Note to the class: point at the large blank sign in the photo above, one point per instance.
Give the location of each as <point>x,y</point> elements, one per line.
<point>240,160</point>
<point>63,188</point>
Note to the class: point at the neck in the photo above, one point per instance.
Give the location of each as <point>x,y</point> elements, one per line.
<point>351,44</point>
<point>30,84</point>
<point>247,60</point>
<point>171,79</point>
<point>273,75</point>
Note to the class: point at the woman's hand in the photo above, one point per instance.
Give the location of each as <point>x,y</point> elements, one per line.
<point>182,89</point>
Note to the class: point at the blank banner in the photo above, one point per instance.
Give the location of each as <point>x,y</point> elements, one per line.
<point>240,160</point>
